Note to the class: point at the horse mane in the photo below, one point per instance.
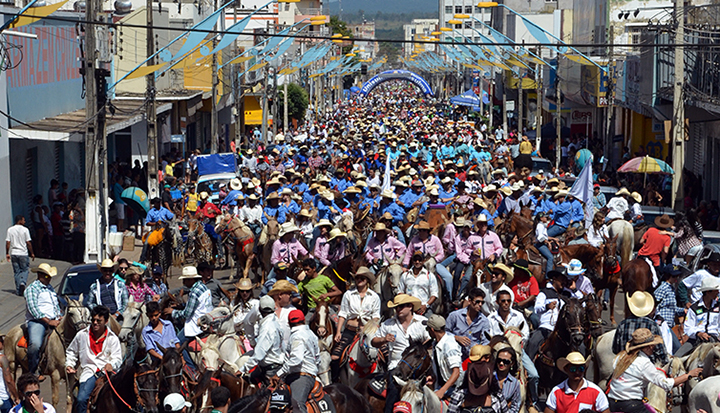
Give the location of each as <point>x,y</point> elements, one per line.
<point>249,402</point>
<point>413,391</point>
<point>700,353</point>
<point>371,327</point>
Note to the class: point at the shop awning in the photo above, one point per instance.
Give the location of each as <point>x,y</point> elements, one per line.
<point>253,111</point>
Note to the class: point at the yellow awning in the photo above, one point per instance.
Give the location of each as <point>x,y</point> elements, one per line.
<point>253,111</point>
<point>34,14</point>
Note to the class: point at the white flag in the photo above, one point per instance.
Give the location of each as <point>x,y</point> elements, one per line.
<point>582,189</point>
<point>386,177</point>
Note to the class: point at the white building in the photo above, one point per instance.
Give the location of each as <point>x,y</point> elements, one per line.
<point>416,30</point>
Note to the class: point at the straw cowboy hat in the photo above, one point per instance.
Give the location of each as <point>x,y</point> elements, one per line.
<point>380,227</point>
<point>365,272</point>
<point>482,218</point>
<point>461,222</point>
<point>272,196</point>
<point>287,228</point>
<point>335,232</point>
<point>623,192</point>
<point>562,193</point>
<point>642,337</point>
<point>324,223</point>
<point>509,274</point>
<point>244,284</point>
<point>479,202</point>
<point>709,284</point>
<point>204,195</point>
<point>106,263</point>
<point>664,221</point>
<point>401,299</point>
<point>282,286</point>
<point>189,272</point>
<point>433,192</point>
<point>506,190</point>
<point>574,358</point>
<point>479,351</point>
<point>46,269</point>
<point>490,188</point>
<point>423,225</point>
<point>235,184</point>
<point>641,303</point>
<point>352,190</point>
<point>637,197</point>
<point>388,194</point>
<point>305,213</point>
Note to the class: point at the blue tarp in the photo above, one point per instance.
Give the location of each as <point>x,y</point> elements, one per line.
<point>216,163</point>
<point>468,98</point>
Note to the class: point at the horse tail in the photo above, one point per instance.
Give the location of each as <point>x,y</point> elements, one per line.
<point>628,244</point>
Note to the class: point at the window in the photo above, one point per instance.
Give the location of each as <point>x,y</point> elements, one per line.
<point>287,6</point>
<point>412,31</point>
<point>468,25</point>
<point>448,9</point>
<point>478,9</point>
<point>478,24</point>
<point>468,9</point>
<point>458,9</point>
<point>458,26</point>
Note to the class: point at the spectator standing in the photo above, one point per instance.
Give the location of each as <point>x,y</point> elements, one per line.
<point>19,250</point>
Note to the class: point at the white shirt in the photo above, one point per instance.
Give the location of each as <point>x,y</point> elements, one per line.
<point>617,207</point>
<point>490,304</point>
<point>541,232</point>
<point>632,384</point>
<point>421,287</point>
<point>303,352</point>
<point>251,215</point>
<point>693,283</point>
<point>241,313</point>
<point>595,237</point>
<point>18,236</point>
<point>448,356</point>
<point>204,306</point>
<point>79,350</point>
<point>514,319</point>
<point>416,332</point>
<point>352,306</point>
<point>548,317</point>
<point>268,349</point>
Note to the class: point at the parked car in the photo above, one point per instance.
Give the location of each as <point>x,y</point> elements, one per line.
<point>77,280</point>
<point>211,184</point>
<point>704,253</point>
<point>540,164</point>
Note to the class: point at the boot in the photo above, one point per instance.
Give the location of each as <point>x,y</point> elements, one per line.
<point>335,371</point>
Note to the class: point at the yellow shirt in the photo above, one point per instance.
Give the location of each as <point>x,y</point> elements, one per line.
<point>191,202</point>
<point>526,147</point>
<point>169,170</point>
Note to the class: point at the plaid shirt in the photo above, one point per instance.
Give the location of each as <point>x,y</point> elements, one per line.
<point>32,295</point>
<point>624,331</point>
<point>93,299</point>
<point>193,301</point>
<point>667,307</point>
<point>499,405</point>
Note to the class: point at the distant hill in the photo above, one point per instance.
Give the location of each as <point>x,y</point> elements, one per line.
<point>384,6</point>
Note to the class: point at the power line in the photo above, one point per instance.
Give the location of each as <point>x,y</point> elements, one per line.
<point>414,41</point>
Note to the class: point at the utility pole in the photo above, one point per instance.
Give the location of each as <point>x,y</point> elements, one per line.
<point>275,104</point>
<point>265,107</point>
<point>520,105</point>
<point>285,106</point>
<point>214,110</point>
<point>504,110</point>
<point>538,115</point>
<point>609,129</point>
<point>678,138</point>
<point>558,139</point>
<point>237,87</point>
<point>150,110</point>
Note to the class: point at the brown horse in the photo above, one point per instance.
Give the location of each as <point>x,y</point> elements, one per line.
<point>340,272</point>
<point>593,320</point>
<point>134,388</point>
<point>438,218</point>
<point>636,276</point>
<point>232,228</point>
<point>268,236</point>
<point>518,226</point>
<point>345,400</point>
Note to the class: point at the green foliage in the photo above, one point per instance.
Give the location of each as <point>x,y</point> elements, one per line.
<point>339,26</point>
<point>297,101</point>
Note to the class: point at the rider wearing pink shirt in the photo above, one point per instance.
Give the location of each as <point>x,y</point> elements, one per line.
<point>426,243</point>
<point>383,248</point>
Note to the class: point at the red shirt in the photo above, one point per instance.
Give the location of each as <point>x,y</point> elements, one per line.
<point>654,245</point>
<point>97,345</point>
<point>562,399</point>
<point>524,288</point>
<point>208,210</point>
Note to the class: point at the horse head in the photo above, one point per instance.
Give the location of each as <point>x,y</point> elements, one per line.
<point>146,385</point>
<point>170,372</point>
<point>131,317</point>
<point>593,315</point>
<point>412,392</point>
<point>213,320</point>
<point>273,228</point>
<point>609,250</point>
<point>571,324</point>
<point>514,337</point>
<point>209,355</point>
<point>320,323</point>
<point>415,363</point>
<point>76,314</point>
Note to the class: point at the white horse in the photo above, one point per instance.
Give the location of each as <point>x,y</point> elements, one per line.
<point>227,344</point>
<point>134,320</point>
<point>386,284</point>
<point>706,396</point>
<point>362,357</point>
<point>625,241</point>
<point>421,398</point>
<point>325,342</point>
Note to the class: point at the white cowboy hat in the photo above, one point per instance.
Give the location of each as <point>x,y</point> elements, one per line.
<point>641,303</point>
<point>709,284</point>
<point>387,194</point>
<point>574,268</point>
<point>45,268</point>
<point>623,191</point>
<point>573,358</point>
<point>287,228</point>
<point>334,233</point>
<point>189,272</point>
<point>235,184</point>
<point>637,197</point>
<point>324,222</point>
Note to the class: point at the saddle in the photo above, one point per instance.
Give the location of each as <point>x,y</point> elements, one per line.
<point>24,340</point>
<point>378,386</point>
<point>345,358</point>
<point>319,401</point>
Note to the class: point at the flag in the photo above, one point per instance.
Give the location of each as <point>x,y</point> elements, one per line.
<point>582,189</point>
<point>386,177</point>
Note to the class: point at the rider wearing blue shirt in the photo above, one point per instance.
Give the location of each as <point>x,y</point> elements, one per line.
<point>411,196</point>
<point>327,208</point>
<point>563,211</point>
<point>273,209</point>
<point>155,215</point>
<point>577,215</point>
<point>387,204</point>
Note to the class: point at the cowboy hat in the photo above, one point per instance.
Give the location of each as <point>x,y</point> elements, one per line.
<point>574,358</point>
<point>479,202</point>
<point>641,303</point>
<point>352,190</point>
<point>305,213</point>
<point>46,269</point>
<point>273,195</point>
<point>637,197</point>
<point>522,264</point>
<point>498,171</point>
<point>509,275</point>
<point>189,272</point>
<point>461,222</point>
<point>553,182</point>
<point>507,190</point>
<point>335,232</point>
<point>490,188</point>
<point>253,197</point>
<point>282,286</point>
<point>401,299</point>
<point>479,377</point>
<point>235,184</point>
<point>286,191</point>
<point>244,284</point>
<point>664,221</point>
<point>642,337</point>
<point>380,227</point>
<point>287,228</point>
<point>324,223</point>
<point>328,195</point>
<point>387,194</point>
<point>446,180</point>
<point>422,225</point>
<point>273,181</point>
<point>361,184</point>
<point>106,263</point>
<point>562,193</point>
<point>623,191</point>
<point>574,268</point>
<point>204,195</point>
<point>482,218</point>
<point>433,192</point>
<point>365,272</point>
<point>709,284</point>
<point>386,215</point>
<point>478,351</point>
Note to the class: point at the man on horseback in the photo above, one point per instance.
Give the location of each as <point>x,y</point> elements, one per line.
<point>468,324</point>
<point>302,360</point>
<point>547,307</point>
<point>358,306</point>
<point>618,205</point>
<point>28,386</point>
<point>641,305</point>
<point>447,355</point>
<point>158,333</point>
<point>694,281</point>
<point>97,350</point>
<point>418,282</point>
<point>383,249</point>
<point>575,391</point>
<point>500,276</point>
<point>157,215</point>
<point>43,312</point>
<point>562,211</point>
<point>702,324</point>
<point>267,356</point>
<point>108,291</point>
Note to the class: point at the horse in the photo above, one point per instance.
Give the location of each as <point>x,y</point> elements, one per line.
<point>270,233</point>
<point>420,397</point>
<point>344,399</point>
<point>76,318</point>
<point>387,280</point>
<point>170,372</point>
<point>519,226</point>
<point>323,327</point>
<point>134,320</point>
<point>164,246</point>
<point>611,274</point>
<point>705,355</point>
<point>340,272</point>
<point>362,357</point>
<point>569,334</point>
<point>593,319</point>
<point>636,276</point>
<point>242,240</point>
<point>133,389</point>
<point>229,347</point>
<point>623,231</point>
<point>705,396</point>
<point>199,245</point>
<point>438,218</point>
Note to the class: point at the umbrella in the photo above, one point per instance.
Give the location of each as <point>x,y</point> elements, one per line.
<point>354,89</point>
<point>137,200</point>
<point>647,165</point>
<point>468,98</point>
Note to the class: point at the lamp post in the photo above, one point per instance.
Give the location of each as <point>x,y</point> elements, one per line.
<point>678,138</point>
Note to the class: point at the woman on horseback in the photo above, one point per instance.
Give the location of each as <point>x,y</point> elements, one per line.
<point>634,371</point>
<point>137,289</point>
<point>506,367</point>
<point>543,240</point>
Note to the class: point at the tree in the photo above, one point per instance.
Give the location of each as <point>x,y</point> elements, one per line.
<point>297,101</point>
<point>339,26</point>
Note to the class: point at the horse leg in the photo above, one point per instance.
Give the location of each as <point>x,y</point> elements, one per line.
<point>55,382</point>
<point>613,292</point>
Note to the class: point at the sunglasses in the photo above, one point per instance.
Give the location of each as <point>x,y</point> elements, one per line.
<point>30,393</point>
<point>576,369</point>
<point>504,361</point>
<point>504,301</point>
<point>123,268</point>
<point>479,302</point>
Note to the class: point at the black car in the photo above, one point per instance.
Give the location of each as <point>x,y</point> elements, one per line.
<point>78,280</point>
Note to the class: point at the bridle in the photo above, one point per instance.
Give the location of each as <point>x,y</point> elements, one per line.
<point>139,389</point>
<point>414,370</point>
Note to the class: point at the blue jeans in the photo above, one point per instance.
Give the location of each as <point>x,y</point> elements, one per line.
<point>6,406</point>
<point>545,252</point>
<point>442,271</point>
<point>186,355</point>
<point>556,231</point>
<point>36,335</point>
<point>86,387</point>
<point>533,377</point>
<point>21,268</point>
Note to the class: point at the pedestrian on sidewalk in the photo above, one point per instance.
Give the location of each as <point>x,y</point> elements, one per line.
<point>19,250</point>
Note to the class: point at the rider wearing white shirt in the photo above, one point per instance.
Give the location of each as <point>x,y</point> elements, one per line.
<point>268,354</point>
<point>303,357</point>
<point>547,307</point>
<point>419,283</point>
<point>399,331</point>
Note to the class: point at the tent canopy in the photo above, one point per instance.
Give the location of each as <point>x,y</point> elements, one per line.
<point>468,98</point>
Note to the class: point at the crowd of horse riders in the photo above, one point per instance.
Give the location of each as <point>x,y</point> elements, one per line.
<point>457,281</point>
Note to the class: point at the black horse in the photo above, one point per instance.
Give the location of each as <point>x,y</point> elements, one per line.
<point>170,373</point>
<point>134,388</point>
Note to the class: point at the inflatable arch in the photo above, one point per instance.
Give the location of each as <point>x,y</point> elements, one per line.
<point>397,75</point>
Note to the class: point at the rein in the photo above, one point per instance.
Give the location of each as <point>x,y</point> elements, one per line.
<point>414,369</point>
<point>137,389</point>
